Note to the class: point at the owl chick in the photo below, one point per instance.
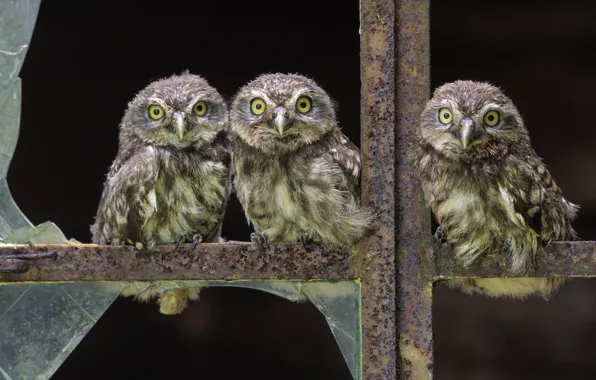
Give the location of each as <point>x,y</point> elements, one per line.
<point>489,191</point>
<point>296,173</point>
<point>171,179</point>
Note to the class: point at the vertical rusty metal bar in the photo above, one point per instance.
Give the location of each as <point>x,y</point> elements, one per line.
<point>377,60</point>
<point>396,300</point>
<point>414,271</point>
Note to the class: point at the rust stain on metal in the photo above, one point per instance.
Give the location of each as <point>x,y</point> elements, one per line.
<point>230,261</point>
<point>395,86</point>
<point>377,63</point>
<point>18,262</point>
<point>559,259</point>
<point>10,265</point>
<point>414,273</point>
<point>418,367</point>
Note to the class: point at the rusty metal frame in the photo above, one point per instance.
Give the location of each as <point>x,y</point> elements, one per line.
<point>396,313</point>
<point>397,265</point>
<point>229,261</point>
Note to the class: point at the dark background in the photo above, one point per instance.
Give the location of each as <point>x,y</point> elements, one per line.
<point>88,59</point>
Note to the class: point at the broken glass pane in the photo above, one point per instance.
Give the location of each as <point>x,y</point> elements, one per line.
<point>340,304</point>
<point>17,18</point>
<point>40,324</point>
<point>10,113</point>
<point>339,301</point>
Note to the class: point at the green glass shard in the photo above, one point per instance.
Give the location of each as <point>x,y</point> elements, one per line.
<point>40,324</point>
<point>17,19</point>
<point>340,304</point>
<point>10,112</point>
<point>46,232</point>
<point>338,301</point>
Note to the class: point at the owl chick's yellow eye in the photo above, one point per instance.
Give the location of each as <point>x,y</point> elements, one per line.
<point>155,112</point>
<point>257,106</point>
<point>200,108</point>
<point>445,115</point>
<point>304,104</point>
<point>491,118</point>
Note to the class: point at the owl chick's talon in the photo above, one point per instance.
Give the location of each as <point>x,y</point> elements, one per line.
<point>439,236</point>
<point>178,242</point>
<point>305,240</point>
<point>254,238</point>
<point>259,240</point>
<point>196,239</point>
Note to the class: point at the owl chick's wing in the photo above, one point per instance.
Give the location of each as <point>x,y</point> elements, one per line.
<point>221,151</point>
<point>347,156</point>
<point>540,201</point>
<point>128,197</point>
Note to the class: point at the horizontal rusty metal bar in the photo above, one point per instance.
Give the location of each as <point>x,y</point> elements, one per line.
<point>559,259</point>
<point>228,261</point>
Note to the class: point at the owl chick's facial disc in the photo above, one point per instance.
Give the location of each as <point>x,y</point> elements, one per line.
<point>279,112</point>
<point>178,112</point>
<point>474,123</point>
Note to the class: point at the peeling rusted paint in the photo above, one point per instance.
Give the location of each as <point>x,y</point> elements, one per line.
<point>230,261</point>
<point>559,259</point>
<point>395,86</point>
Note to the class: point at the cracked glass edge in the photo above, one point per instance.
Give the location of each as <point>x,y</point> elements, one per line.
<point>40,324</point>
<point>338,301</point>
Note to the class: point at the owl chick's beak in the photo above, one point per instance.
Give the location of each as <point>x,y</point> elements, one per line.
<point>466,131</point>
<point>179,123</point>
<point>279,119</point>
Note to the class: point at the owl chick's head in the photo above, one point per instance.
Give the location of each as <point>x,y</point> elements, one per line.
<point>176,112</point>
<point>471,121</point>
<point>279,113</point>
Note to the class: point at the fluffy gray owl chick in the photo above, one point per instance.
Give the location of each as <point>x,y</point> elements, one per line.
<point>171,179</point>
<point>489,191</point>
<point>296,173</point>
